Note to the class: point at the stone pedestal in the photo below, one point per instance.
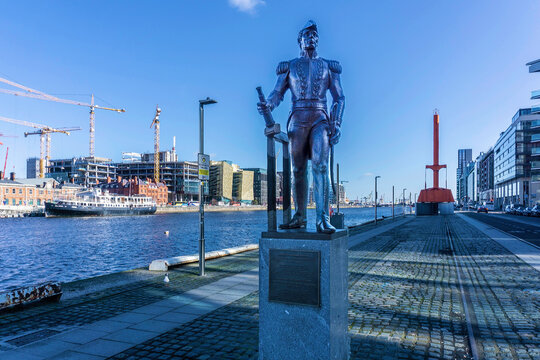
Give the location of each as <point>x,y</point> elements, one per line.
<point>303,303</point>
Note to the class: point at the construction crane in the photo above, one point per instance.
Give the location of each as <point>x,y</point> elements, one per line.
<point>7,151</point>
<point>36,94</point>
<point>45,137</point>
<point>44,131</point>
<point>5,163</point>
<point>155,124</point>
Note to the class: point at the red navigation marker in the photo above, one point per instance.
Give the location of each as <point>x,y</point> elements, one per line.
<point>436,194</point>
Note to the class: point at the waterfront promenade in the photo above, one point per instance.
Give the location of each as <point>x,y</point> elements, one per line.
<point>445,287</point>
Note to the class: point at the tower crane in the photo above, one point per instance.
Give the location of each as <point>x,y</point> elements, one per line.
<point>36,94</point>
<point>155,124</point>
<point>5,163</point>
<point>45,137</point>
<point>44,131</point>
<point>7,151</point>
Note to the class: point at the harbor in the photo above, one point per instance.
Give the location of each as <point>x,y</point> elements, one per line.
<point>419,287</point>
<point>64,249</point>
<point>269,180</point>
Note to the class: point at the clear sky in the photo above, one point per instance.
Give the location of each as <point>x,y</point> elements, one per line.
<point>401,60</point>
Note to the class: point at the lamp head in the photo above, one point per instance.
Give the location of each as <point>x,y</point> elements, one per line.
<point>207,101</point>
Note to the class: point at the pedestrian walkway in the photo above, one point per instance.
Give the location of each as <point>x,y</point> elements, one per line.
<point>427,287</point>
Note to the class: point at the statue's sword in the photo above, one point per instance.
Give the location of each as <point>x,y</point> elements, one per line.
<point>268,118</point>
<point>333,129</point>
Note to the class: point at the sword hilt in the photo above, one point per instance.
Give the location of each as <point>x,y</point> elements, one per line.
<point>268,119</point>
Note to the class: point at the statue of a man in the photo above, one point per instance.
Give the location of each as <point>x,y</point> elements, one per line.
<point>310,129</point>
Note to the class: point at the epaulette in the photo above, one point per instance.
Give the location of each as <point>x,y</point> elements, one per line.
<point>282,67</point>
<point>334,66</point>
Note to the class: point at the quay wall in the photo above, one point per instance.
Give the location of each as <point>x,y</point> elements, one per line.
<point>209,208</point>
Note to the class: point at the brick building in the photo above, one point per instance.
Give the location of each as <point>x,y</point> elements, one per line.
<point>136,186</point>
<point>33,192</point>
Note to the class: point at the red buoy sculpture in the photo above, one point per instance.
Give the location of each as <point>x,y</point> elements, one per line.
<point>435,199</point>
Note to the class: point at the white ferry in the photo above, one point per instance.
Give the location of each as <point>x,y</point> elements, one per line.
<point>101,202</point>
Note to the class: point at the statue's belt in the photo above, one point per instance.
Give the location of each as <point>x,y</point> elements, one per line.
<point>309,104</point>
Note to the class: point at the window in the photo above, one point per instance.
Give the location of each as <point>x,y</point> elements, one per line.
<point>30,191</point>
<point>13,193</point>
<point>20,191</point>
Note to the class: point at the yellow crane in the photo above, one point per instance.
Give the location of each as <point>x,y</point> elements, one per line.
<point>155,124</point>
<point>36,94</point>
<point>44,131</point>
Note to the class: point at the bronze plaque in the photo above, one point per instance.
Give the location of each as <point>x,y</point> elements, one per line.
<point>295,277</point>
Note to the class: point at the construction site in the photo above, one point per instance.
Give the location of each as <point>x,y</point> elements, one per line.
<point>159,174</point>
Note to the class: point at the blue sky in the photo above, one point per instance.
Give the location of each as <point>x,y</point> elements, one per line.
<point>401,60</point>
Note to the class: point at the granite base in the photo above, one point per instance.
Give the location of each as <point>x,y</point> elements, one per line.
<point>299,331</point>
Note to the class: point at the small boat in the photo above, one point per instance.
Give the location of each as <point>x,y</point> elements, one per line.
<point>97,202</point>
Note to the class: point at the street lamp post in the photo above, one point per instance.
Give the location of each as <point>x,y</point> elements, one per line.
<point>404,200</point>
<point>376,177</point>
<point>202,251</point>
<point>393,202</point>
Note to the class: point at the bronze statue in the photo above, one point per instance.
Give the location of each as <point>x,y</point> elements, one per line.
<point>311,131</point>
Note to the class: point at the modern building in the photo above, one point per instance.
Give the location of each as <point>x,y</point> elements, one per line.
<point>279,187</point>
<point>87,171</point>
<point>164,156</point>
<point>466,182</point>
<point>32,168</point>
<point>180,177</point>
<point>129,157</point>
<point>534,67</point>
<point>517,161</point>
<point>260,186</point>
<point>221,181</point>
<point>485,182</point>
<point>342,194</point>
<point>464,157</point>
<point>243,186</point>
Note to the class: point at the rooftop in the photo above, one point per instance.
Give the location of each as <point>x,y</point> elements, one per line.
<point>534,66</point>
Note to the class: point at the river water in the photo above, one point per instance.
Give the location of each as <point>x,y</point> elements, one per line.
<point>34,250</point>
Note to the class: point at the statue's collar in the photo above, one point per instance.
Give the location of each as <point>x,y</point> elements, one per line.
<point>305,55</point>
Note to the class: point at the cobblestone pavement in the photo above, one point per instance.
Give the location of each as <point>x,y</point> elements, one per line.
<point>405,301</point>
<point>504,293</point>
<point>114,301</point>
<point>231,332</point>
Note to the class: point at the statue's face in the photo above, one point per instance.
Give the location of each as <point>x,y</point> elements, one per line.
<point>309,39</point>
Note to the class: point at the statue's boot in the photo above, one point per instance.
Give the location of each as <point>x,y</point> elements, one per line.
<point>297,222</point>
<point>324,226</point>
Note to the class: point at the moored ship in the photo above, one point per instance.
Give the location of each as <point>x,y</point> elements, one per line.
<point>97,202</point>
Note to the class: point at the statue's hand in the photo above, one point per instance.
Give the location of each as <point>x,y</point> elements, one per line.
<point>336,134</point>
<point>263,108</point>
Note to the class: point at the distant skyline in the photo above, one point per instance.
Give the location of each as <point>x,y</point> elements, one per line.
<point>401,60</point>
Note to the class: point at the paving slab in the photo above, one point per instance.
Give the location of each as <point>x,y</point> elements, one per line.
<point>102,347</point>
<point>130,335</point>
<point>73,355</point>
<point>526,252</point>
<point>80,336</point>
<point>154,325</point>
<point>45,348</point>
<point>107,326</point>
